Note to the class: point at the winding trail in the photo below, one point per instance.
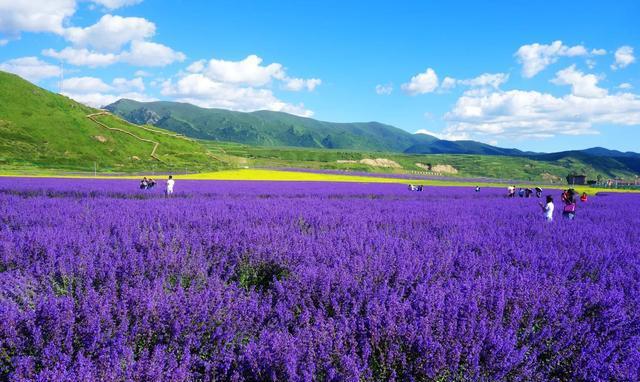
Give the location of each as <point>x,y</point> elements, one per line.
<point>153,155</point>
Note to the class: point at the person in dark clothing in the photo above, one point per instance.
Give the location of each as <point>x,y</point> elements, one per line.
<point>569,210</point>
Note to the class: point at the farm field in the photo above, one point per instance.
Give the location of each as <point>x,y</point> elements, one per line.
<point>259,280</point>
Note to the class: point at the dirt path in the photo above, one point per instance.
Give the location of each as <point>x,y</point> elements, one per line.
<point>153,155</point>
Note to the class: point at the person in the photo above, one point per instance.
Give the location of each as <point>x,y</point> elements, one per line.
<point>521,192</point>
<point>548,208</point>
<point>170,183</point>
<point>477,188</point>
<point>151,183</point>
<point>569,210</point>
<point>144,183</point>
<point>511,191</point>
<point>583,198</point>
<point>528,192</point>
<point>538,192</point>
<point>420,187</point>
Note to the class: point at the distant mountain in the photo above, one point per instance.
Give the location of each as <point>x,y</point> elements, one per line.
<point>267,128</point>
<point>460,147</point>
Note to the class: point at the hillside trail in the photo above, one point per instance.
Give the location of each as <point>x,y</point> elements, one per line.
<point>153,155</point>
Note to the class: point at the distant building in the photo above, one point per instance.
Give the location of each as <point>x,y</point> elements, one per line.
<point>577,179</point>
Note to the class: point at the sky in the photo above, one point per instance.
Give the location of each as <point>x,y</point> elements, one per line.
<point>535,75</point>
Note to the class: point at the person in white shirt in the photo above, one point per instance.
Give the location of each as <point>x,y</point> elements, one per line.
<point>170,184</point>
<point>548,209</point>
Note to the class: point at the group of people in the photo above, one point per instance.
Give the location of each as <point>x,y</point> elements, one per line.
<point>147,184</point>
<point>413,187</point>
<point>523,192</point>
<point>569,201</point>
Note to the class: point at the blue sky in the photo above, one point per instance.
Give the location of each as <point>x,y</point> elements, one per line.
<point>541,76</point>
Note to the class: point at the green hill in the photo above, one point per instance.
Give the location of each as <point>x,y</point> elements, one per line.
<point>267,128</point>
<point>41,129</point>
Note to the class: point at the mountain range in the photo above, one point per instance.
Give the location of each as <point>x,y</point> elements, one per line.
<point>40,130</point>
<point>277,129</point>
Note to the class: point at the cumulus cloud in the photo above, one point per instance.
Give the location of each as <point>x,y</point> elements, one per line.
<point>111,33</point>
<point>625,85</point>
<point>142,53</point>
<point>30,68</point>
<point>115,4</point>
<point>536,57</point>
<point>384,89</point>
<point>95,92</point>
<point>582,85</point>
<point>199,89</point>
<point>624,57</point>
<point>82,57</point>
<point>243,85</point>
<point>598,52</point>
<point>145,53</point>
<point>142,73</point>
<point>298,84</point>
<point>248,71</point>
<point>34,16</point>
<point>493,80</point>
<point>421,83</point>
<point>519,114</point>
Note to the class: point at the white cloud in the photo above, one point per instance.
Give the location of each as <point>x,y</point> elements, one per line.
<point>115,4</point>
<point>142,73</point>
<point>85,85</point>
<point>82,57</point>
<point>598,52</point>
<point>30,68</point>
<point>248,71</point>
<point>34,15</point>
<point>582,85</point>
<point>142,53</point>
<point>145,53</point>
<point>625,85</point>
<point>448,83</point>
<point>201,90</point>
<point>125,85</point>
<point>518,114</point>
<point>384,89</point>
<point>298,84</point>
<point>493,80</point>
<point>536,57</point>
<point>111,33</point>
<point>624,57</point>
<point>3,41</point>
<point>95,92</point>
<point>445,135</point>
<point>99,100</point>
<point>422,83</point>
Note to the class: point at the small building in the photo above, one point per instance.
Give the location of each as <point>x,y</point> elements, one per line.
<point>576,179</point>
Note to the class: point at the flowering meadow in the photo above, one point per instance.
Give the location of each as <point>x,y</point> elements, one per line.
<point>259,281</point>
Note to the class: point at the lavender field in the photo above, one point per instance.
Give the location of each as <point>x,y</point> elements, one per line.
<point>258,281</point>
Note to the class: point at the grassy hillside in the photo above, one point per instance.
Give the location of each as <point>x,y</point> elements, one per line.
<point>42,129</point>
<point>489,166</point>
<point>267,128</point>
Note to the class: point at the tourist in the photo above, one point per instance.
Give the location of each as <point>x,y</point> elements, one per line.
<point>569,210</point>
<point>144,183</point>
<point>511,191</point>
<point>538,192</point>
<point>521,192</point>
<point>548,208</point>
<point>151,184</point>
<point>477,188</point>
<point>170,183</point>
<point>583,198</point>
